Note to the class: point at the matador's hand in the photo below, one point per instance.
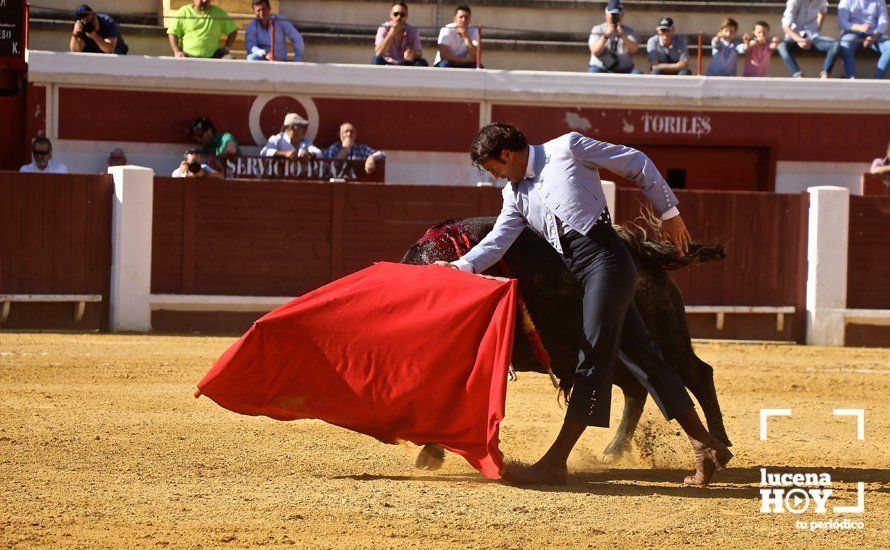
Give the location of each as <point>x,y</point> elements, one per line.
<point>675,231</point>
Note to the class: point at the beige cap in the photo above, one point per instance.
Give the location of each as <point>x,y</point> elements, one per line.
<point>293,119</point>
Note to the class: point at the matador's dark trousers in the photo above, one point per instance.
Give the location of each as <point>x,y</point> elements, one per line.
<point>604,268</point>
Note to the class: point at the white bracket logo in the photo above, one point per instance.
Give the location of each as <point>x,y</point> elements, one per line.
<point>766,413</point>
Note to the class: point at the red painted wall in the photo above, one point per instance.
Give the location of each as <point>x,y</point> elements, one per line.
<point>824,137</point>
<point>163,117</point>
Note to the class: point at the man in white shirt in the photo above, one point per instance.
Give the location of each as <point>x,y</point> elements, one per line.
<point>458,42</point>
<point>802,23</point>
<point>555,189</point>
<point>291,142</point>
<point>42,153</point>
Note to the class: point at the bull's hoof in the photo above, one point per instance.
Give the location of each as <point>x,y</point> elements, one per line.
<point>614,454</point>
<point>431,457</point>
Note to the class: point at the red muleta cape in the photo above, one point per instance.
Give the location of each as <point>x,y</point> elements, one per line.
<point>397,352</point>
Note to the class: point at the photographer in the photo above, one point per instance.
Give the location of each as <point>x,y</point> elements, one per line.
<point>612,44</point>
<point>192,166</point>
<point>95,33</point>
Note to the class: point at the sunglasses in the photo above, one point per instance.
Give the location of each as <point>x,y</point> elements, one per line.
<point>40,153</point>
<point>400,14</point>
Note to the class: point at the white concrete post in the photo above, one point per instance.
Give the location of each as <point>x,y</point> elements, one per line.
<point>131,248</point>
<point>829,222</point>
<point>610,189</point>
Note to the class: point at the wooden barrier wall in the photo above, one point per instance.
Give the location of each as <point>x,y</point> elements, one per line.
<point>272,238</point>
<point>56,239</point>
<point>868,272</point>
<point>268,238</point>
<point>765,235</point>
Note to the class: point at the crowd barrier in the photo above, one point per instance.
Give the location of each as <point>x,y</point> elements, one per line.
<point>145,252</point>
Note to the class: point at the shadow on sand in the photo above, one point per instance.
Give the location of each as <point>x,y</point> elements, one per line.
<point>741,483</point>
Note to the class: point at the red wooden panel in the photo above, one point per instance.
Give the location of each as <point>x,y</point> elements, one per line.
<point>765,239</point>
<point>383,222</point>
<point>853,137</point>
<point>166,240</point>
<point>56,240</point>
<point>868,275</point>
<point>242,237</point>
<point>709,167</point>
<point>876,184</point>
<point>12,138</point>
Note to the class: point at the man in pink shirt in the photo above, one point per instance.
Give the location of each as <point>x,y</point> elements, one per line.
<point>397,42</point>
<point>759,48</point>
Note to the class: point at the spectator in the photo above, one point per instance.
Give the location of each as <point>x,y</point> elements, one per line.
<point>759,49</point>
<point>258,38</point>
<point>458,42</point>
<point>193,166</point>
<point>95,33</point>
<point>725,48</point>
<point>668,54</point>
<point>42,153</point>
<point>864,25</point>
<point>802,23</point>
<point>882,165</point>
<point>397,42</point>
<point>116,157</point>
<point>613,45</point>
<point>199,27</point>
<point>212,142</point>
<point>348,149</point>
<point>291,141</point>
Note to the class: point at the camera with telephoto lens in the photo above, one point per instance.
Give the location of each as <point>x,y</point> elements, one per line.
<point>613,18</point>
<point>195,167</point>
<point>88,26</point>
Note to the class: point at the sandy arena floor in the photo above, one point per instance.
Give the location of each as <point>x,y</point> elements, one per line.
<point>102,444</point>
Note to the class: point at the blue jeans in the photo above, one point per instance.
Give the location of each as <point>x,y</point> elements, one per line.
<point>380,60</point>
<point>824,44</point>
<point>452,65</point>
<point>852,41</point>
<point>595,69</point>
<point>681,72</point>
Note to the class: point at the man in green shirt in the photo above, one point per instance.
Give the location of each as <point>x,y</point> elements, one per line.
<point>199,28</point>
<point>213,143</point>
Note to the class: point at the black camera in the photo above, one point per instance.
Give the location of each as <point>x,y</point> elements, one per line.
<point>613,18</point>
<point>195,167</point>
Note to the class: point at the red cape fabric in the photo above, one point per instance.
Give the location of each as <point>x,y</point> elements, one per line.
<point>397,352</point>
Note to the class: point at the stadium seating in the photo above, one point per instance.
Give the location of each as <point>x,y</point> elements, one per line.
<point>518,34</point>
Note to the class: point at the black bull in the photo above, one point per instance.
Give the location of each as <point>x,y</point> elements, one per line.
<point>552,299</point>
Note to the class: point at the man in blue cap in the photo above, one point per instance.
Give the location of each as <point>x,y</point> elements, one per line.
<point>613,45</point>
<point>95,33</point>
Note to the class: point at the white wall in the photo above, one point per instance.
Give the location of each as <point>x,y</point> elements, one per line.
<point>797,177</point>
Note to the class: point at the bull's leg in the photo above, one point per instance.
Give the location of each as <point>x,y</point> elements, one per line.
<point>431,457</point>
<point>634,402</point>
<point>701,384</point>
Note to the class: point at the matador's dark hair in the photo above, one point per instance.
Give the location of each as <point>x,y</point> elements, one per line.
<point>493,139</point>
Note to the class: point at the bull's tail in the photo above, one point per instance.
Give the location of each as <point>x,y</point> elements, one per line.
<point>651,249</point>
